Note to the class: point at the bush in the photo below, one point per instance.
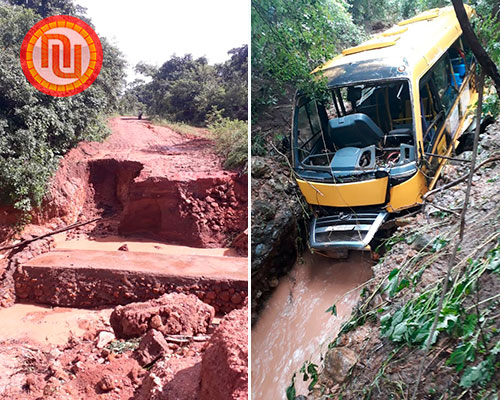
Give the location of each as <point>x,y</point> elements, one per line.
<point>231,141</point>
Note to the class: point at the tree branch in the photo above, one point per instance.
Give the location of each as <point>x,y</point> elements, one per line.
<point>470,37</point>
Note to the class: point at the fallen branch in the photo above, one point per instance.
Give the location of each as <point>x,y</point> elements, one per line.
<point>183,339</point>
<point>66,228</point>
<point>495,157</point>
<point>445,210</point>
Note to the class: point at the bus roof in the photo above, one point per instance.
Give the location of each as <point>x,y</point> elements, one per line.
<point>406,50</point>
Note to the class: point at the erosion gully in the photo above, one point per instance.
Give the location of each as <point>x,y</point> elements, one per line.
<point>294,326</point>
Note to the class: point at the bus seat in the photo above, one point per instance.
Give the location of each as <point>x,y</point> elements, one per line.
<point>354,130</point>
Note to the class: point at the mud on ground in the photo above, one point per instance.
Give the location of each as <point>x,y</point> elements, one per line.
<point>378,352</point>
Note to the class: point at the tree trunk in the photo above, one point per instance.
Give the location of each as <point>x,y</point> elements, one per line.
<point>470,37</point>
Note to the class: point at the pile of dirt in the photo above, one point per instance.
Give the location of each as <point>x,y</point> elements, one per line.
<point>378,352</point>
<point>170,314</point>
<point>150,365</point>
<point>224,369</point>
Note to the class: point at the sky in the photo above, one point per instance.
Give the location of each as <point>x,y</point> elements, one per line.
<point>154,30</point>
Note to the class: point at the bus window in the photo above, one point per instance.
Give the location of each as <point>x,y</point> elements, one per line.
<point>431,108</point>
<point>309,131</point>
<point>444,81</point>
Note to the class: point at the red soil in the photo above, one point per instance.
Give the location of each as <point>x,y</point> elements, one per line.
<point>149,183</point>
<point>171,314</point>
<point>224,371</point>
<point>155,182</point>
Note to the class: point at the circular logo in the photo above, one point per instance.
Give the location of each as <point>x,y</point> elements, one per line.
<point>61,56</point>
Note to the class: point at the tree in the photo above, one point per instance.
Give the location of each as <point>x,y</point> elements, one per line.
<point>188,89</point>
<point>290,39</point>
<point>36,129</point>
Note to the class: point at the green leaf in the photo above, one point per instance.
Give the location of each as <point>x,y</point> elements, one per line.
<point>290,390</point>
<point>468,326</point>
<point>332,309</point>
<point>461,355</point>
<point>438,244</point>
<point>496,349</point>
<point>399,331</point>
<point>393,273</point>
<point>479,374</point>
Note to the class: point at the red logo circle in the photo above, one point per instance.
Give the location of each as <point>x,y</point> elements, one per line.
<point>61,56</point>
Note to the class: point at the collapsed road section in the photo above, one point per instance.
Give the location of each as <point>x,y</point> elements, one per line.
<point>153,216</point>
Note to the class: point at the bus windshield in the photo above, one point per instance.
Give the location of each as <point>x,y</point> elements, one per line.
<point>377,115</point>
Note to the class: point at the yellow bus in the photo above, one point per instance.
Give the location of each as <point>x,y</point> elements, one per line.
<point>396,107</point>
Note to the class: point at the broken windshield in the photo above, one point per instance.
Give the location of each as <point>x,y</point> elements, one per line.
<point>374,116</point>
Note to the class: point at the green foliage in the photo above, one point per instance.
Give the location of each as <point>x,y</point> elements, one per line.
<point>36,129</point>
<point>332,309</point>
<point>310,371</point>
<point>479,374</point>
<point>395,285</point>
<point>46,8</point>
<point>185,89</point>
<point>438,244</point>
<point>231,140</point>
<point>290,39</point>
<point>486,24</point>
<point>122,346</point>
<point>290,390</point>
<point>178,127</point>
<point>476,336</point>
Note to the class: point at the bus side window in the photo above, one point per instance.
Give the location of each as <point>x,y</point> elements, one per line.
<point>443,79</point>
<point>308,127</point>
<point>432,110</point>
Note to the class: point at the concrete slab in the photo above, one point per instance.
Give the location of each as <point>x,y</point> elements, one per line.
<point>87,278</point>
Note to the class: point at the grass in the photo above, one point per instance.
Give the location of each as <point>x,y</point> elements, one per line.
<point>231,141</point>
<point>179,127</point>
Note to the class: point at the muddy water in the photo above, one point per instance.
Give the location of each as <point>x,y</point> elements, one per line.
<point>46,325</point>
<point>294,327</point>
<point>113,243</point>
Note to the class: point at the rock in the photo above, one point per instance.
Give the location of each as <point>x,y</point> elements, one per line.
<point>421,240</point>
<point>236,298</point>
<point>224,369</point>
<point>171,379</point>
<point>107,383</point>
<point>156,322</point>
<point>104,338</point>
<point>274,282</point>
<point>77,367</point>
<point>153,345</point>
<point>123,247</point>
<point>338,362</point>
<point>180,314</point>
<point>260,168</point>
<point>240,243</point>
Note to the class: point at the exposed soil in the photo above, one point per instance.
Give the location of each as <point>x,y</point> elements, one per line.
<point>169,220</point>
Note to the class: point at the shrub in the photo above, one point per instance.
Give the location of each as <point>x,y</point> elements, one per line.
<point>231,140</point>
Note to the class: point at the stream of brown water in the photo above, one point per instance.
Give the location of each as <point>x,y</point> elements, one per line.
<point>294,327</point>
